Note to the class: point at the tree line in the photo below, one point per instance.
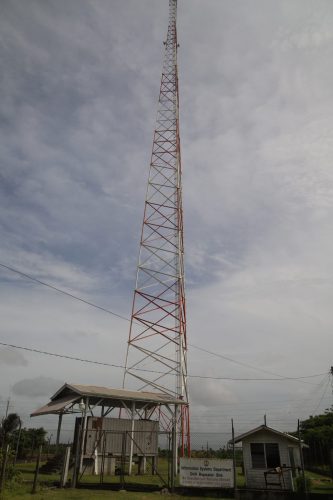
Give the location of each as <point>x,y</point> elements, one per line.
<point>22,441</point>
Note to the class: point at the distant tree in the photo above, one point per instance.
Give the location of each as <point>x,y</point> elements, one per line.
<point>8,426</point>
<point>28,441</point>
<point>317,432</point>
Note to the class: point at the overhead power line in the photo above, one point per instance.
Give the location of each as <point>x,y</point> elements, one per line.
<point>25,275</point>
<point>65,356</point>
<point>85,301</point>
<point>82,360</point>
<point>108,311</point>
<point>246,365</point>
<point>256,379</point>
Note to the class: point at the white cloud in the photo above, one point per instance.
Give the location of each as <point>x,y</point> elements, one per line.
<point>12,357</point>
<point>34,388</point>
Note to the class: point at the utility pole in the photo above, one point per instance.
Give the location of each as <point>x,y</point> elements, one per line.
<point>7,407</point>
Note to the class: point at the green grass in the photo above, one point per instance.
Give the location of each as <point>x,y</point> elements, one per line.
<point>47,490</point>
<point>319,483</point>
<point>23,492</point>
<point>46,486</point>
<point>46,494</point>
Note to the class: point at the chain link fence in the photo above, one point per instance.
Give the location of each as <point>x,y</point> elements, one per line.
<point>138,457</point>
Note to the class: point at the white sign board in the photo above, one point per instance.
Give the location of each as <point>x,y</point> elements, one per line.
<point>206,473</point>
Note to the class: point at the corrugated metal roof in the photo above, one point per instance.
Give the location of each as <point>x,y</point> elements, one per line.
<point>55,407</point>
<point>116,394</point>
<point>106,396</point>
<point>241,437</point>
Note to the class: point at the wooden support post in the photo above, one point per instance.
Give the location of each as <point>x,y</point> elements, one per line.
<point>3,467</point>
<point>77,458</point>
<point>301,457</point>
<point>18,442</point>
<point>34,486</point>
<point>234,458</point>
<point>64,472</point>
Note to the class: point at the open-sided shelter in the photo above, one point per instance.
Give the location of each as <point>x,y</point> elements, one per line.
<point>94,404</point>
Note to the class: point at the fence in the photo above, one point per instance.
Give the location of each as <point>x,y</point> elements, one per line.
<point>123,457</point>
<point>138,458</point>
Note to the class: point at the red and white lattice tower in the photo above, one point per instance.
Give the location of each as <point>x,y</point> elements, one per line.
<point>156,353</point>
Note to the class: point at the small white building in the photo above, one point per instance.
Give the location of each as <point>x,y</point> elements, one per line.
<point>271,458</point>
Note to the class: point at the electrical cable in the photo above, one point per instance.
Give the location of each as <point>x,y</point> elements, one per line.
<point>63,291</point>
<point>204,377</point>
<point>25,275</point>
<point>28,276</point>
<point>323,394</point>
<point>234,361</point>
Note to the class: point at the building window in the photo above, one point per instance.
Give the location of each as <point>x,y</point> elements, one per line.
<point>258,456</point>
<point>272,455</point>
<point>265,455</point>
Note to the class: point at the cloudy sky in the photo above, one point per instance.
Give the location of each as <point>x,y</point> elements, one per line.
<point>79,83</point>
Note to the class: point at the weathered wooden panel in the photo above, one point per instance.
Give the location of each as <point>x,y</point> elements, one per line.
<point>107,435</point>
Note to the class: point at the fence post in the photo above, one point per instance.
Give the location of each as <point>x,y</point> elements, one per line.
<point>18,443</point>
<point>234,458</point>
<point>169,459</point>
<point>123,458</point>
<point>301,457</point>
<point>174,457</point>
<point>64,472</point>
<point>3,467</point>
<point>34,486</point>
<point>77,458</point>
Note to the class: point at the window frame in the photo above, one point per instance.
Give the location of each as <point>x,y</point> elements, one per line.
<point>264,455</point>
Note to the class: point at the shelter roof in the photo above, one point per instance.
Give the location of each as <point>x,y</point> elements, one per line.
<point>252,432</point>
<point>61,405</point>
<point>70,394</point>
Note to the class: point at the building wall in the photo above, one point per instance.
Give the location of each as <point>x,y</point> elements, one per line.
<point>255,477</point>
<point>108,435</point>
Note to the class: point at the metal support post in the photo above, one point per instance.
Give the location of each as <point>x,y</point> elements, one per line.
<point>132,440</point>
<point>123,458</point>
<point>177,432</point>
<point>174,457</point>
<point>58,431</point>
<point>83,435</point>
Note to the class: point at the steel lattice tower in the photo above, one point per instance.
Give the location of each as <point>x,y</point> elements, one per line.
<point>156,352</point>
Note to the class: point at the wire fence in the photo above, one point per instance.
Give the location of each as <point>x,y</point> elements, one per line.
<point>144,458</point>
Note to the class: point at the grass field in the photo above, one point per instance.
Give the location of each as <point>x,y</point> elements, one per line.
<point>47,494</point>
<point>319,483</point>
<point>47,487</point>
<point>48,490</point>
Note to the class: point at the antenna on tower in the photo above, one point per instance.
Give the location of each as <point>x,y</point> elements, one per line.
<point>156,357</point>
